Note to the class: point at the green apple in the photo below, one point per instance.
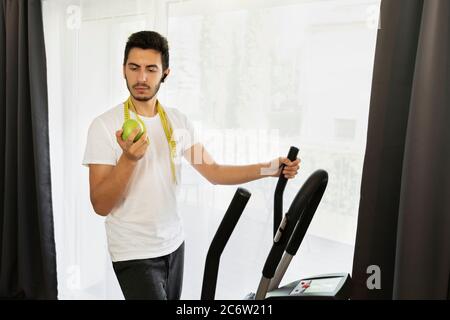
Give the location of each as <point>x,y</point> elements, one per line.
<point>129,126</point>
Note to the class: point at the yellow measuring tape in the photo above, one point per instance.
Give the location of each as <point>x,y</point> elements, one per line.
<point>166,126</point>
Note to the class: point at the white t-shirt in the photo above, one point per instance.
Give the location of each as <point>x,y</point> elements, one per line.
<point>145,223</point>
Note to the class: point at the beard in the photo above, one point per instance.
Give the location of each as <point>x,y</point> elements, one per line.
<point>149,96</point>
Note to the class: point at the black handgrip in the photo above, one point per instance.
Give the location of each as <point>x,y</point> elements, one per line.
<point>284,233</point>
<point>220,240</point>
<point>302,226</point>
<point>279,190</point>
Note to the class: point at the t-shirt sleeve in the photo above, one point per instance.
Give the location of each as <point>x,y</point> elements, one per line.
<point>193,135</point>
<point>186,133</point>
<point>99,145</point>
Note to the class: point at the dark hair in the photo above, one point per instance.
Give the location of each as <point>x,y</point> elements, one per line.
<point>148,40</point>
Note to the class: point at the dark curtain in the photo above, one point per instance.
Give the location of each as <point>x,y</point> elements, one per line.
<point>404,213</point>
<point>27,247</point>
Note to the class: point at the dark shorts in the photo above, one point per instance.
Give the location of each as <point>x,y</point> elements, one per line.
<point>154,279</point>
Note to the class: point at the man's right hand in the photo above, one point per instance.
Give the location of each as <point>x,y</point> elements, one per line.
<point>133,151</point>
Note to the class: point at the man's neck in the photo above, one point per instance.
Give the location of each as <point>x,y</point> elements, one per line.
<point>145,108</point>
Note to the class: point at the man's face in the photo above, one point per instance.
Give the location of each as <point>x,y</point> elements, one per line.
<point>143,73</point>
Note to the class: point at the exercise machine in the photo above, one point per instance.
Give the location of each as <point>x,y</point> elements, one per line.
<point>288,236</point>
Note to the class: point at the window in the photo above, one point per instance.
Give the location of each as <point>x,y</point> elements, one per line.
<point>267,75</point>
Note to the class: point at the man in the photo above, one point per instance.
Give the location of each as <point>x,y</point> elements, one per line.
<point>134,183</point>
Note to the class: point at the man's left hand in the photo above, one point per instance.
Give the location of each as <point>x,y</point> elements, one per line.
<point>291,168</point>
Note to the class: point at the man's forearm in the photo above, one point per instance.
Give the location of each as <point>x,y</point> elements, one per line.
<point>108,193</point>
<point>230,175</point>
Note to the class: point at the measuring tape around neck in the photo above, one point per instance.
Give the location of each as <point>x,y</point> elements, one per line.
<point>165,124</point>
